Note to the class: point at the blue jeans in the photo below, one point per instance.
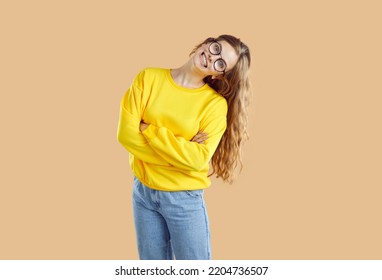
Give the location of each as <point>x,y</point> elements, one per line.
<point>170,225</point>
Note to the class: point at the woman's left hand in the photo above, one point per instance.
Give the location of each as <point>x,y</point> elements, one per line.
<point>200,137</point>
<point>143,126</point>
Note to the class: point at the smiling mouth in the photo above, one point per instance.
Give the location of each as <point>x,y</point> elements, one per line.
<point>204,59</point>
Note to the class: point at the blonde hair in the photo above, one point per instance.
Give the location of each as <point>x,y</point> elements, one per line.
<point>235,87</point>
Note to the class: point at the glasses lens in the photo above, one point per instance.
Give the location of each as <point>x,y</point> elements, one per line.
<point>219,65</point>
<point>215,48</point>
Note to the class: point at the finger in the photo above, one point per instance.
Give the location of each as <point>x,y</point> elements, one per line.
<point>202,139</point>
<point>197,136</point>
<point>197,140</point>
<point>201,135</point>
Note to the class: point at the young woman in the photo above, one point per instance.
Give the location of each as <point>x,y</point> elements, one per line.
<point>174,123</point>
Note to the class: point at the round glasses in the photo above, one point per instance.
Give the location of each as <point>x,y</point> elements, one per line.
<point>215,48</point>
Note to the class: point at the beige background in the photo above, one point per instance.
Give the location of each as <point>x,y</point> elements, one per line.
<point>311,183</point>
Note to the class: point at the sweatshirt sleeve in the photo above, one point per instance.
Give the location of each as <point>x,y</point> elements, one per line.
<point>129,134</point>
<point>185,154</point>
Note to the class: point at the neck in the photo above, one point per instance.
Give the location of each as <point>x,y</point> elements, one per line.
<point>187,77</point>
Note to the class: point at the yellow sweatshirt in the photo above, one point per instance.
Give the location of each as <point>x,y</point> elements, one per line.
<point>163,156</point>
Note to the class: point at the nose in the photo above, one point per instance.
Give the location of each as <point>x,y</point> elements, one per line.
<point>212,57</point>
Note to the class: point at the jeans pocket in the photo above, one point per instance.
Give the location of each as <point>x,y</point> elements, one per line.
<point>194,193</point>
<point>137,187</point>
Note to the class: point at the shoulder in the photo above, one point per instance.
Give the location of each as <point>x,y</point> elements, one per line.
<point>148,75</point>
<point>152,72</point>
<point>215,104</point>
<point>217,96</point>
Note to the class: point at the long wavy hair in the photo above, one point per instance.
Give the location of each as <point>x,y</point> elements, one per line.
<point>235,87</point>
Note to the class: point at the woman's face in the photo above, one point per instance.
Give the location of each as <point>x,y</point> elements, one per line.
<point>215,59</point>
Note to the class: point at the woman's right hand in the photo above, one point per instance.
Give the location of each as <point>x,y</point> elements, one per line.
<point>200,137</point>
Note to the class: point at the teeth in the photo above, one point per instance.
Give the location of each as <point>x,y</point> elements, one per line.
<point>204,60</point>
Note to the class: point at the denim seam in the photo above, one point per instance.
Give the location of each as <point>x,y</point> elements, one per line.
<point>207,232</point>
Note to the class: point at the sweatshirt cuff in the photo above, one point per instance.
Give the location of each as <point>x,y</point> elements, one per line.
<point>150,132</point>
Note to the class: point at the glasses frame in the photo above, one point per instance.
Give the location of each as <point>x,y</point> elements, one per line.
<point>219,53</point>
